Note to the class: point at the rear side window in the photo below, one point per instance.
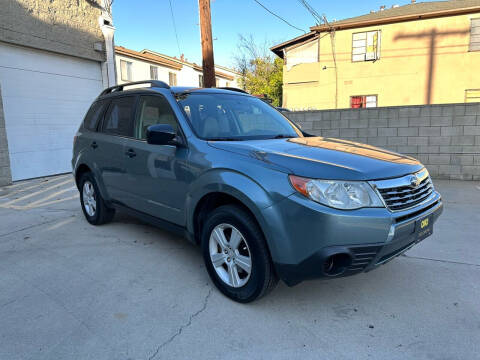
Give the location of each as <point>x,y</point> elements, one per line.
<point>119,117</point>
<point>153,110</point>
<point>94,114</point>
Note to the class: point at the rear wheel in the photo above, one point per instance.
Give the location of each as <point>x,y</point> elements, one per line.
<point>94,208</point>
<point>236,255</point>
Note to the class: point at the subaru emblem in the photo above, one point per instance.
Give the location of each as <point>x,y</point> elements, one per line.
<point>414,181</point>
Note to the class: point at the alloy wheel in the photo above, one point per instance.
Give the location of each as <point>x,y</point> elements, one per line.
<point>230,255</point>
<point>89,198</point>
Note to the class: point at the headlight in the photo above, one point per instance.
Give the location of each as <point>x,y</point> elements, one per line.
<point>337,194</point>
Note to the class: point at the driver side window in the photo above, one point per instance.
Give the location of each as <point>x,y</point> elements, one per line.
<point>153,110</point>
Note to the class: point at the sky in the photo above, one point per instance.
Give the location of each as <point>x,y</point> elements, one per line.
<point>148,24</point>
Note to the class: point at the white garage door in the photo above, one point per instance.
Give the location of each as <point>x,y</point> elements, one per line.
<point>45,97</point>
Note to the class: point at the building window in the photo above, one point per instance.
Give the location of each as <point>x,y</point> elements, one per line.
<point>363,101</point>
<point>366,46</point>
<point>475,35</point>
<point>227,84</point>
<point>472,95</point>
<point>200,80</point>
<point>172,79</point>
<point>153,72</point>
<point>217,82</point>
<point>126,70</point>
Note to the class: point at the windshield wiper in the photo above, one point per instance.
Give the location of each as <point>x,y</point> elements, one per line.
<point>224,139</point>
<point>283,136</point>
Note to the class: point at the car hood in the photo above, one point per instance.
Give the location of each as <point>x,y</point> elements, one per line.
<point>325,158</point>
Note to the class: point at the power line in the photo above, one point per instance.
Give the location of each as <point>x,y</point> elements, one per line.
<point>311,10</point>
<point>279,17</point>
<point>175,28</point>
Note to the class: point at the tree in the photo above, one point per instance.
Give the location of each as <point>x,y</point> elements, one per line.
<point>262,72</point>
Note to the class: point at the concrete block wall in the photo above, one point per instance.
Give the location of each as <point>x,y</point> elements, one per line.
<point>5,174</point>
<point>445,138</point>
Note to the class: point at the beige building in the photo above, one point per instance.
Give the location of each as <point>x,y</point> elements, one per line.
<point>416,54</point>
<point>150,65</point>
<point>55,58</point>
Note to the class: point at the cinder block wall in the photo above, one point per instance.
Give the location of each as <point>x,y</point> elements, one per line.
<point>5,175</point>
<point>68,27</point>
<point>445,138</point>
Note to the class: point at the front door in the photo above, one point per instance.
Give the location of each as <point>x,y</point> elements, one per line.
<point>157,175</point>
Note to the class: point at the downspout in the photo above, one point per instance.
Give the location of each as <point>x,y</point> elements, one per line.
<point>108,30</point>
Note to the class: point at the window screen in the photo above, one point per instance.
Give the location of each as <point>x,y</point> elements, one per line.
<point>153,72</point>
<point>172,79</point>
<point>366,46</point>
<point>118,119</point>
<point>153,110</point>
<point>475,35</point>
<point>126,70</point>
<point>93,115</point>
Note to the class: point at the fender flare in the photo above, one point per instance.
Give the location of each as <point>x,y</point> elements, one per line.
<point>235,184</point>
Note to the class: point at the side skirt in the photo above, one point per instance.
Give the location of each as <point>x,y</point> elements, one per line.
<point>152,220</point>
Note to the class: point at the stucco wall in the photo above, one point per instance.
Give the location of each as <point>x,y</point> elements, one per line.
<point>68,27</point>
<point>5,175</point>
<point>409,71</point>
<point>445,138</point>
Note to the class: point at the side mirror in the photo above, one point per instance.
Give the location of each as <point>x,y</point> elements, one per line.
<point>161,134</point>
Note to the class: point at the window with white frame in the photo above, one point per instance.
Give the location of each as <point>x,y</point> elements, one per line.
<point>363,101</point>
<point>153,72</point>
<point>172,79</point>
<point>366,46</point>
<point>126,70</point>
<point>475,35</point>
<point>200,80</point>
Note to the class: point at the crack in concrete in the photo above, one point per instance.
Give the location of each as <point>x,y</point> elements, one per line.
<point>439,260</point>
<point>183,327</point>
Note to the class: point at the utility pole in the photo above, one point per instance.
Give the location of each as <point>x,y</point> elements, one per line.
<point>207,44</point>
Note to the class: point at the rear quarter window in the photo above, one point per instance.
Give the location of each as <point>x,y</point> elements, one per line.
<point>94,115</point>
<point>119,117</point>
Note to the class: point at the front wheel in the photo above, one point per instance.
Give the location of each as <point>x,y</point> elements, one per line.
<point>236,255</point>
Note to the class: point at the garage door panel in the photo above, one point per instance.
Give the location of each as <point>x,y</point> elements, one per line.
<point>33,163</point>
<point>45,98</point>
<point>44,138</point>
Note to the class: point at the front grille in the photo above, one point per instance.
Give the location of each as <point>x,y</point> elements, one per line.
<point>402,195</point>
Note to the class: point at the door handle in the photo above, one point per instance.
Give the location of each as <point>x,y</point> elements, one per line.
<point>130,153</point>
<point>94,145</point>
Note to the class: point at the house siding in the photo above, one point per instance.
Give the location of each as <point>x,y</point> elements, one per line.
<point>409,71</point>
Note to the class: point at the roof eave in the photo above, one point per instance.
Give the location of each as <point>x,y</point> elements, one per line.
<point>138,56</point>
<point>278,49</point>
<point>394,19</point>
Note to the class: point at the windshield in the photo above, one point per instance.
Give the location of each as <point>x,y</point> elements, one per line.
<point>234,117</point>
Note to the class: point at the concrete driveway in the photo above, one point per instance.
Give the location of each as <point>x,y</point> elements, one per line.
<point>127,290</point>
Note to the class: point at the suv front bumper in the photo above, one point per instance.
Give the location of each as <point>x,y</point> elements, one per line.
<point>371,237</point>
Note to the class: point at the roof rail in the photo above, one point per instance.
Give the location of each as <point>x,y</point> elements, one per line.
<point>233,89</point>
<point>153,83</point>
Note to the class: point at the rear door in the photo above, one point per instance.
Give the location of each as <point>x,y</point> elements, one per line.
<point>108,146</point>
<point>157,175</point>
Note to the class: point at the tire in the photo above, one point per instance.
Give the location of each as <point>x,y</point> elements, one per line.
<point>99,213</point>
<point>244,287</point>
